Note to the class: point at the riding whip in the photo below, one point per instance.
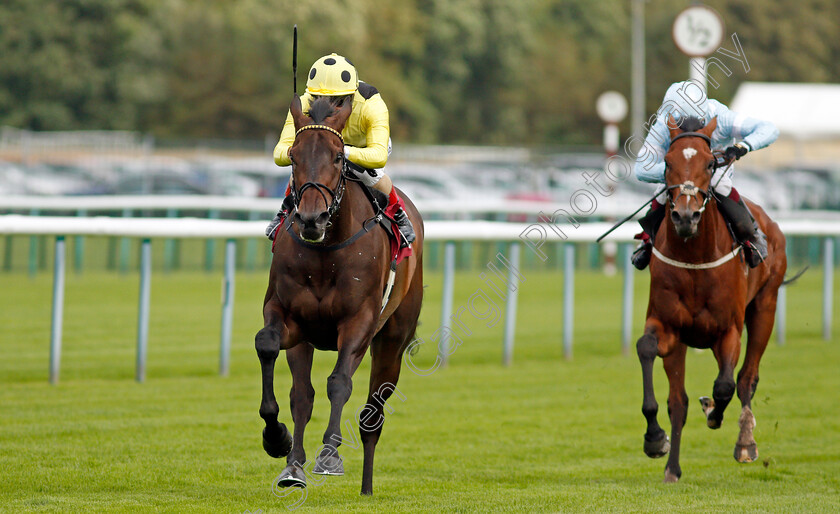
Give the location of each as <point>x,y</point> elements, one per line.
<point>628,218</point>
<point>294,60</point>
<point>625,220</point>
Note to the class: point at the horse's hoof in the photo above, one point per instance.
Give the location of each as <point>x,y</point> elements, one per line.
<point>329,465</point>
<point>292,476</point>
<point>657,448</point>
<point>670,478</point>
<point>708,405</point>
<point>278,442</point>
<point>746,453</point>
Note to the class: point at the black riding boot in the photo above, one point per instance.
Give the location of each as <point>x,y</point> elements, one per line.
<point>746,230</point>
<point>288,205</point>
<point>404,224</point>
<point>650,224</point>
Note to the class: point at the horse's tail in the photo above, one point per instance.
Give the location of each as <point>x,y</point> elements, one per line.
<point>795,277</point>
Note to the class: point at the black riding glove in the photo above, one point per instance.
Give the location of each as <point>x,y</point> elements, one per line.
<point>733,153</point>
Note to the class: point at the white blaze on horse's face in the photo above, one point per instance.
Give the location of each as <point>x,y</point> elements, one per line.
<point>688,153</point>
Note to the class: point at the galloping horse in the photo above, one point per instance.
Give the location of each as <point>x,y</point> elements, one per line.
<point>330,269</point>
<point>701,293</point>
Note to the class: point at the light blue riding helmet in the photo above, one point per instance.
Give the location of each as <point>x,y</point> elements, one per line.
<point>683,99</point>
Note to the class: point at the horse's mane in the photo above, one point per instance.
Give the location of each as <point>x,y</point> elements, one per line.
<point>321,109</point>
<point>691,124</point>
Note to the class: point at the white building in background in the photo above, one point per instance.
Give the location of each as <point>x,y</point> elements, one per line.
<point>808,118</point>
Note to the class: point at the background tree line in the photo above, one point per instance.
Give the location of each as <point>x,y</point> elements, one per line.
<point>452,71</point>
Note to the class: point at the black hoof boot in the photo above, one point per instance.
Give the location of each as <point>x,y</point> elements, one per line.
<point>292,476</point>
<point>641,257</point>
<point>277,442</point>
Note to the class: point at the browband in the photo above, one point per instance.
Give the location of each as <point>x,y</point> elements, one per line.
<point>320,127</point>
<point>687,134</point>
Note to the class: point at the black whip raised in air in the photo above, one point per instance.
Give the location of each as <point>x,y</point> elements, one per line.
<point>294,60</point>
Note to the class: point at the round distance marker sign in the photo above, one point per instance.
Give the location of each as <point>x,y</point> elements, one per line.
<point>698,31</point>
<point>611,106</point>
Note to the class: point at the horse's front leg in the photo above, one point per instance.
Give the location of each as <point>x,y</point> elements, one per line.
<point>726,352</point>
<point>677,408</point>
<point>656,442</point>
<point>353,341</point>
<point>301,398</point>
<point>274,336</point>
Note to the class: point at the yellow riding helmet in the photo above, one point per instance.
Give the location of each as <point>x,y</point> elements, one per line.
<point>332,75</point>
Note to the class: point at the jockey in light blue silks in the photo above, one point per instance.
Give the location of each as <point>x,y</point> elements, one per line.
<point>736,134</point>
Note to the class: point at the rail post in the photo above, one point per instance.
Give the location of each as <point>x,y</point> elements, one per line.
<point>627,301</point>
<point>143,309</point>
<point>57,310</point>
<point>568,298</point>
<point>448,293</point>
<point>228,290</point>
<point>79,248</point>
<point>828,287</point>
<point>511,303</point>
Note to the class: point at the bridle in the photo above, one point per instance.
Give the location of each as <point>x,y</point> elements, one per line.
<point>332,206</point>
<point>688,188</point>
<point>336,194</point>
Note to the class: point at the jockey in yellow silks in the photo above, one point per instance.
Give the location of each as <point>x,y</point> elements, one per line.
<point>367,142</point>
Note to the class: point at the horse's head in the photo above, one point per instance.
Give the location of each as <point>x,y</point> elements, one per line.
<point>317,157</point>
<point>689,165</point>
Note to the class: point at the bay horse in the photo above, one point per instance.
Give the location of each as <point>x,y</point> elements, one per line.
<point>330,268</point>
<point>701,295</point>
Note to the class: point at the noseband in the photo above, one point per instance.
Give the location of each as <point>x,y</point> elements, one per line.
<point>688,188</point>
<point>336,194</point>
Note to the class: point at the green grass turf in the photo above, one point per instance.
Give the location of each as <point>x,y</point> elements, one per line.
<point>545,434</point>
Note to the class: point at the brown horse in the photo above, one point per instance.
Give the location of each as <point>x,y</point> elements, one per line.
<point>701,294</point>
<point>325,291</point>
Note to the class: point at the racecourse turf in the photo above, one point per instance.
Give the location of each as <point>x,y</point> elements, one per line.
<point>545,434</point>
